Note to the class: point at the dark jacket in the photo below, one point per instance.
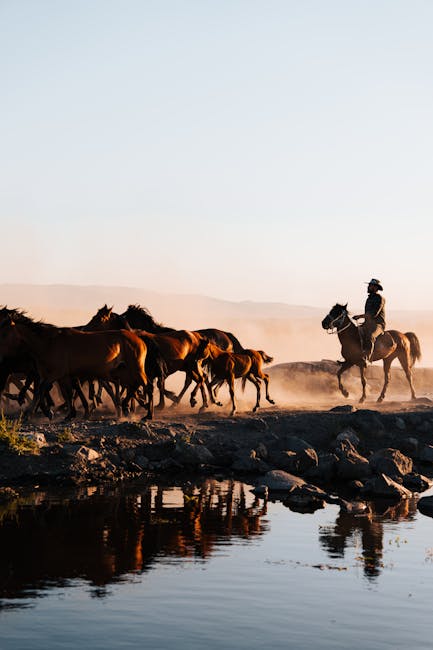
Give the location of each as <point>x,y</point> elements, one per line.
<point>375,307</point>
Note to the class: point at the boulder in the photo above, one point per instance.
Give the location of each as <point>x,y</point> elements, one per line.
<point>409,446</point>
<point>279,481</point>
<point>417,482</point>
<point>249,462</point>
<point>187,453</point>
<point>400,424</point>
<point>326,469</point>
<point>87,454</point>
<point>37,438</point>
<point>351,465</point>
<point>348,434</point>
<point>384,487</point>
<point>354,507</point>
<point>426,454</point>
<point>391,462</point>
<point>305,456</point>
<point>425,505</point>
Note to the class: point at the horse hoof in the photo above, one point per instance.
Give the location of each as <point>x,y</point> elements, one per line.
<point>218,403</point>
<point>193,402</point>
<point>362,400</point>
<point>380,399</point>
<point>345,393</point>
<point>271,401</point>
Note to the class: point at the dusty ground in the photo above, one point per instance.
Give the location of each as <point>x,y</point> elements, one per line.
<point>184,441</point>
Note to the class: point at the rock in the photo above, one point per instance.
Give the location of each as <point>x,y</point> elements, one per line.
<point>128,454</point>
<point>279,481</point>
<point>409,446</point>
<point>355,486</point>
<point>87,454</point>
<point>383,486</point>
<point>400,423</point>
<point>425,505</point>
<point>306,456</point>
<point>326,469</point>
<point>426,454</point>
<point>37,438</point>
<point>142,461</point>
<point>303,502</point>
<point>391,462</point>
<point>249,462</point>
<point>351,465</point>
<point>186,453</point>
<point>343,408</point>
<point>424,427</point>
<point>261,491</point>
<point>368,423</point>
<point>261,451</point>
<point>417,482</point>
<point>348,434</point>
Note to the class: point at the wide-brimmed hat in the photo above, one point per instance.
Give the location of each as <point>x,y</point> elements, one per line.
<point>376,283</point>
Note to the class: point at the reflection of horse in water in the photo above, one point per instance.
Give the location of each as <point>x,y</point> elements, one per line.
<point>388,346</point>
<point>103,537</point>
<point>351,531</point>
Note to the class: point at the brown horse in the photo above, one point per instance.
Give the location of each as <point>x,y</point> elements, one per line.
<point>62,354</point>
<point>228,366</point>
<point>388,346</point>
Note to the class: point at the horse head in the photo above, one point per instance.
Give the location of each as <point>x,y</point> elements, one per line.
<point>336,317</point>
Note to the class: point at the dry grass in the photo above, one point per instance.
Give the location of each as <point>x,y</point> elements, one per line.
<point>13,439</point>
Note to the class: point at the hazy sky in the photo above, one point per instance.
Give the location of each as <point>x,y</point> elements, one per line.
<point>272,150</point>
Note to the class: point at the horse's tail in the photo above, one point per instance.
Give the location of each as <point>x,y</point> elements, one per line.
<point>415,347</point>
<point>265,357</point>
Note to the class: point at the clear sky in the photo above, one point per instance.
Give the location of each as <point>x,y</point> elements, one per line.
<point>265,150</point>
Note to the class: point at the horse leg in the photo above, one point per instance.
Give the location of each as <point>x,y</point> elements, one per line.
<point>344,366</point>
<point>404,358</point>
<point>231,383</point>
<point>83,400</point>
<point>386,375</point>
<point>265,377</point>
<point>256,383</point>
<point>363,383</point>
<point>187,384</point>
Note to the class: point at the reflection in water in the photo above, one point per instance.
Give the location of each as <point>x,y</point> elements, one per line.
<point>365,532</point>
<point>102,537</point>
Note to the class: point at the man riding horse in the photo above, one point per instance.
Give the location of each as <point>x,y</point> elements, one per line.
<point>374,319</point>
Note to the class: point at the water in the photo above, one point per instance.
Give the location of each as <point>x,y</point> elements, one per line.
<point>209,567</point>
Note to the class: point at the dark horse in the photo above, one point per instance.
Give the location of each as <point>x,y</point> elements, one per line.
<point>389,346</point>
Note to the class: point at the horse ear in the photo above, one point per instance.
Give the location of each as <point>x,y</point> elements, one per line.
<point>345,306</point>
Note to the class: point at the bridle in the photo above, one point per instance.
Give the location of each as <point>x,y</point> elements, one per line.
<point>335,324</point>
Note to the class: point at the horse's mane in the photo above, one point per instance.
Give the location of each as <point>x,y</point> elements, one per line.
<point>143,314</point>
<point>20,316</point>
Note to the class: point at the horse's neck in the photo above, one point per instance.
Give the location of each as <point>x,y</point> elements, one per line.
<point>349,331</point>
<point>35,339</point>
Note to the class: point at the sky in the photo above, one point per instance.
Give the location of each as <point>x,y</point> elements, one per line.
<point>246,150</point>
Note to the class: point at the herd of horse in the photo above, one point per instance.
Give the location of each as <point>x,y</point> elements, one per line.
<point>128,354</point>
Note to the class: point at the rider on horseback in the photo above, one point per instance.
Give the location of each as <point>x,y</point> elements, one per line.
<point>374,319</point>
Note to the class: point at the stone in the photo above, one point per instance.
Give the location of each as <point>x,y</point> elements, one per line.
<point>383,486</point>
<point>279,481</point>
<point>249,462</point>
<point>326,469</point>
<point>343,408</point>
<point>409,446</point>
<point>187,453</point>
<point>37,438</point>
<point>142,461</point>
<point>261,451</point>
<point>350,435</point>
<point>400,424</point>
<point>306,456</point>
<point>417,482</point>
<point>391,462</point>
<point>426,454</point>
<point>425,506</point>
<point>351,465</point>
<point>354,507</point>
<point>87,454</point>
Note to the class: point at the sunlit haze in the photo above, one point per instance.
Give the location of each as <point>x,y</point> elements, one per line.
<point>271,151</point>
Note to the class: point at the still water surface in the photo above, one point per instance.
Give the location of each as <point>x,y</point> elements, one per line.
<point>207,566</point>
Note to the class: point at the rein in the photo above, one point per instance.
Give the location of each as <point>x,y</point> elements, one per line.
<point>333,327</point>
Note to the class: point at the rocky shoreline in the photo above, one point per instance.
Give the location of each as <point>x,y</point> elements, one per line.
<point>360,453</point>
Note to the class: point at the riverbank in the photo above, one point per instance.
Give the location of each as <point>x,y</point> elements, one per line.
<point>310,443</point>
